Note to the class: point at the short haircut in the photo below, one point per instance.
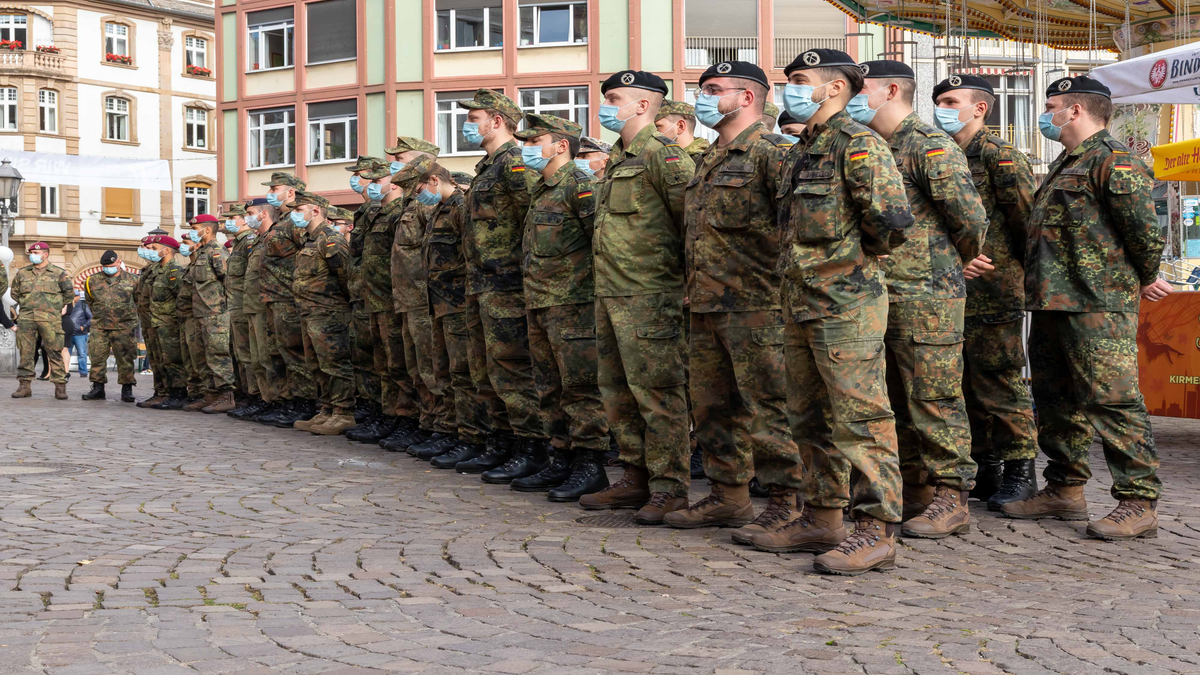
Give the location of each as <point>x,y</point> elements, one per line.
<point>210,225</point>
<point>438,171</point>
<point>656,99</point>
<point>271,211</point>
<point>689,121</point>
<point>572,142</point>
<point>979,95</point>
<point>760,92</point>
<point>851,74</point>
<point>1099,108</point>
<point>508,124</point>
<point>907,87</point>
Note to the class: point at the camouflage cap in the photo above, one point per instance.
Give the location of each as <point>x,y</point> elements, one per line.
<point>670,107</point>
<point>770,109</point>
<point>285,178</point>
<point>461,177</point>
<point>362,164</point>
<point>486,99</point>
<point>413,170</point>
<point>377,171</point>
<point>313,198</point>
<point>537,125</point>
<point>589,144</point>
<point>338,213</point>
<point>235,211</point>
<point>407,143</point>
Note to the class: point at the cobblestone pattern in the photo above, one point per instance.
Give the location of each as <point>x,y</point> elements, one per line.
<point>238,548</point>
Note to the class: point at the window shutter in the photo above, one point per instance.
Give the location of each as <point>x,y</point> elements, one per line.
<point>269,16</point>
<point>118,203</point>
<point>332,31</point>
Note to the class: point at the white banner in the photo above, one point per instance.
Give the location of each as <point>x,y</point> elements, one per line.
<point>111,172</point>
<point>1169,76</point>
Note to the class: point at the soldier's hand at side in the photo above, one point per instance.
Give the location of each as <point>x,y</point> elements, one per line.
<point>978,267</point>
<point>1157,290</point>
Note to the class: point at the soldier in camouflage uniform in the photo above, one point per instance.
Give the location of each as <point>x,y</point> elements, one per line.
<point>266,362</point>
<point>1093,249</point>
<point>190,343</point>
<point>321,289</point>
<point>677,121</point>
<point>368,409</point>
<point>166,320</point>
<point>770,113</point>
<point>736,361</point>
<point>842,204</point>
<point>210,309</point>
<point>242,238</point>
<point>110,294</point>
<point>927,296</point>
<point>42,291</point>
<point>560,296</point>
<point>593,156</point>
<point>1000,409</point>
<point>639,278</point>
<point>141,295</point>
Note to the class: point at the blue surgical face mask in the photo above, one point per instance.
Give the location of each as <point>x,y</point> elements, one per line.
<point>608,116</point>
<point>141,253</point>
<point>375,191</point>
<point>184,249</point>
<point>429,198</point>
<point>396,166</point>
<point>273,200</point>
<point>253,222</point>
<point>794,139</point>
<point>471,133</point>
<point>947,120</point>
<point>707,112</point>
<point>797,98</point>
<point>532,156</point>
<point>36,258</point>
<point>152,255</point>
<point>1047,126</point>
<point>110,270</point>
<point>194,236</point>
<point>860,110</point>
<point>356,184</point>
<point>298,219</point>
<point>585,165</point>
<point>231,226</point>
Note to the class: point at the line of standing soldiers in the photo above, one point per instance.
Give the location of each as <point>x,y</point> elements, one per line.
<point>837,314</point>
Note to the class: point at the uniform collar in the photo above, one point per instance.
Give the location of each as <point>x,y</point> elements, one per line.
<point>975,147</point>
<point>744,140</point>
<point>242,235</point>
<point>906,127</point>
<point>491,159</point>
<point>1095,140</point>
<point>822,135</point>
<point>637,144</point>
<point>558,176</point>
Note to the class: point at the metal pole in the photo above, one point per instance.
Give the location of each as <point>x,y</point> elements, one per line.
<point>5,222</point>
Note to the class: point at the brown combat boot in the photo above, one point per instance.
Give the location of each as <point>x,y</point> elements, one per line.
<point>781,505</point>
<point>307,425</point>
<point>223,403</point>
<point>1131,519</point>
<point>333,426</point>
<point>872,546</point>
<point>1056,500</point>
<point>725,506</point>
<point>815,530</point>
<point>23,390</point>
<point>149,402</point>
<point>947,515</point>
<point>916,498</point>
<point>201,404</point>
<point>60,391</point>
<point>660,504</point>
<point>631,492</point>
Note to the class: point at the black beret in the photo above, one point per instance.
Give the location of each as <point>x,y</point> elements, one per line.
<point>257,201</point>
<point>785,117</point>
<point>742,69</point>
<point>108,258</point>
<point>1077,85</point>
<point>886,68</point>
<point>638,79</point>
<point>819,58</point>
<point>962,82</point>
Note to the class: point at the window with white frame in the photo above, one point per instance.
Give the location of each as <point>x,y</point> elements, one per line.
<point>1012,116</point>
<point>116,118</point>
<point>544,23</point>
<point>195,200</point>
<point>116,39</point>
<point>195,52</point>
<point>270,38</point>
<point>566,102</point>
<point>14,27</point>
<point>8,108</point>
<point>469,24</point>
<point>450,120</point>
<point>272,137</point>
<point>48,111</point>
<point>49,200</point>
<point>196,132</point>
<point>701,131</point>
<point>332,131</point>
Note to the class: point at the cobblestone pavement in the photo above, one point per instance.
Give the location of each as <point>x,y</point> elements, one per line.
<point>137,541</point>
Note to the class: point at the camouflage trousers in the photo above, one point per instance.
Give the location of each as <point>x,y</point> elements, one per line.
<point>192,345</point>
<point>640,359</point>
<point>362,355</point>
<point>562,347</point>
<point>485,402</point>
<point>239,326</point>
<point>167,346</point>
<point>214,334</point>
<point>28,331</point>
<point>839,411</point>
<point>327,354</point>
<point>1084,368</point>
<point>452,375</point>
<point>739,396</point>
<point>265,362</point>
<point>160,388</point>
<point>124,349</point>
<point>924,381</point>
<point>999,406</point>
<point>417,329</point>
<point>289,337</point>
<point>506,336</point>
<point>398,393</point>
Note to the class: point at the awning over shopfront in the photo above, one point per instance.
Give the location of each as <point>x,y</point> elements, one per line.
<point>1169,76</point>
<point>1177,161</point>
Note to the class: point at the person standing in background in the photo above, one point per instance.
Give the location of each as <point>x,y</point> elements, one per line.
<point>81,319</point>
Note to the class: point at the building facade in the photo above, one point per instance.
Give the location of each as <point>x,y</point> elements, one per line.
<point>107,108</point>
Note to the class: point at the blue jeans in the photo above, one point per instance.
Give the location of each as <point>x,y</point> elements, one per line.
<point>81,354</point>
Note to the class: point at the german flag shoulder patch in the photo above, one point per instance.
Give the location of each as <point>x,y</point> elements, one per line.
<point>585,193</point>
<point>860,134</point>
<point>518,169</point>
<point>672,158</point>
<point>861,154</point>
<point>936,152</point>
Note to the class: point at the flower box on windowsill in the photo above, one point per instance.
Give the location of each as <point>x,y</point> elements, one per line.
<point>119,59</point>
<point>199,71</point>
<point>48,49</point>
<point>10,45</point>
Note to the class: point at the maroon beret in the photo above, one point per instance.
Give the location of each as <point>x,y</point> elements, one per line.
<point>39,244</point>
<point>205,218</point>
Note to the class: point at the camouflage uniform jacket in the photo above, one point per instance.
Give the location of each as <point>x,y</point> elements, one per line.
<point>235,271</point>
<point>558,239</point>
<point>696,148</point>
<point>1093,236</point>
<point>321,280</point>
<point>949,222</point>
<point>409,288</point>
<point>42,293</point>
<point>166,288</point>
<point>445,261</point>
<point>841,204</point>
<point>183,303</point>
<point>363,217</point>
<point>207,274</point>
<point>141,291</point>
<point>638,244</point>
<point>112,300</point>
<point>375,270</point>
<point>497,202</point>
<point>1004,180</point>
<point>252,290</point>
<point>733,238</point>
<point>279,264</point>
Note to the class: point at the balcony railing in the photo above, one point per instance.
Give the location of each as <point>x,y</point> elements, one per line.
<point>31,62</point>
<point>702,52</point>
<point>788,48</point>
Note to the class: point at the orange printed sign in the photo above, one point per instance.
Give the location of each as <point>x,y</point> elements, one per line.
<point>1168,341</point>
<point>1177,161</point>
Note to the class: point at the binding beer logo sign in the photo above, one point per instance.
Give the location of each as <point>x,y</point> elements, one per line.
<point>1180,71</point>
<point>1158,73</point>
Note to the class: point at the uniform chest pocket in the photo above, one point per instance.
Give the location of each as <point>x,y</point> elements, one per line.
<point>280,247</point>
<point>483,191</point>
<point>730,203</point>
<point>201,271</point>
<point>980,180</point>
<point>237,266</point>
<point>554,234</point>
<point>625,188</point>
<point>378,240</point>
<point>160,293</point>
<point>1071,196</point>
<point>814,213</point>
<point>733,178</point>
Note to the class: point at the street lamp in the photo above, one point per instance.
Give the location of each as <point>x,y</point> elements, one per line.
<point>11,181</point>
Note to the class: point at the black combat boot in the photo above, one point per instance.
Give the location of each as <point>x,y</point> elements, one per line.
<point>268,411</point>
<point>403,435</point>
<point>434,447</point>
<point>386,426</point>
<point>285,410</point>
<point>1020,483</point>
<point>497,449</point>
<point>587,476</point>
<point>239,412</point>
<point>554,473</point>
<point>988,477</point>
<point>298,410</point>
<point>127,393</point>
<point>96,393</point>
<point>176,399</point>
<point>362,410</point>
<point>372,417</point>
<point>527,459</point>
<point>461,452</point>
